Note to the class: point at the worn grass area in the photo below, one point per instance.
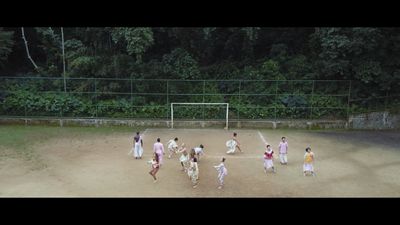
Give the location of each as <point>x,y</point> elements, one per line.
<point>90,161</point>
<point>20,137</point>
<point>17,141</point>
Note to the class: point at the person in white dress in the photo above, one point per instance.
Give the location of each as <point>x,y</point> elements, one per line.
<point>199,151</point>
<point>138,143</point>
<point>222,172</point>
<point>172,147</point>
<point>193,172</point>
<point>283,150</point>
<point>232,144</point>
<point>184,158</point>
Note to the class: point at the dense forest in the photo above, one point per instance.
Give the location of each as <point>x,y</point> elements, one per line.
<point>368,57</point>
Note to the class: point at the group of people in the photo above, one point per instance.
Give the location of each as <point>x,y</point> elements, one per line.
<point>189,160</point>
<point>308,169</point>
<point>283,146</point>
<point>269,155</point>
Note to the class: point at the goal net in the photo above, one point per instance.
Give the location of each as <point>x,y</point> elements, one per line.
<point>199,108</point>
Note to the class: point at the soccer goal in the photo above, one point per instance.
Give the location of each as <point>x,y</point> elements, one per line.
<point>175,103</point>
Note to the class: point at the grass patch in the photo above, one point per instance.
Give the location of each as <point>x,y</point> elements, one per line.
<point>16,141</point>
<point>21,137</point>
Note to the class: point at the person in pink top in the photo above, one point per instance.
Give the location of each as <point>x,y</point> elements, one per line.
<point>283,149</point>
<point>158,148</point>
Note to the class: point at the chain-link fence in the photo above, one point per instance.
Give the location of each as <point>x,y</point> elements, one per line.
<point>151,98</point>
<point>388,103</point>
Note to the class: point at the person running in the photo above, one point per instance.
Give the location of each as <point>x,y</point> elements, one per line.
<point>237,142</point>
<point>184,159</point>
<point>199,151</point>
<point>172,147</point>
<point>155,166</point>
<point>222,172</point>
<point>158,148</point>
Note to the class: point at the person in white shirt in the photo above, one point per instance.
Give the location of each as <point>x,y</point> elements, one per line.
<point>138,143</point>
<point>184,159</point>
<point>193,172</point>
<point>283,150</point>
<point>199,151</point>
<point>232,144</point>
<point>222,172</point>
<point>172,147</point>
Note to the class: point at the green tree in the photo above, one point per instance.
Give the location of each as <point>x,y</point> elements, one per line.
<point>6,44</point>
<point>50,43</point>
<point>138,40</point>
<point>181,65</point>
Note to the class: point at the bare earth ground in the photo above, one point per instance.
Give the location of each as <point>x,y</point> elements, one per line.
<point>348,163</point>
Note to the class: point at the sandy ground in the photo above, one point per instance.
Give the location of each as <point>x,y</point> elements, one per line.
<point>349,164</point>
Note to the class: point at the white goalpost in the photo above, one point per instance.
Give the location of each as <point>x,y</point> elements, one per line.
<point>176,103</point>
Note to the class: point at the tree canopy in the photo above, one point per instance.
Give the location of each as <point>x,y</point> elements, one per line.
<point>365,54</point>
<point>368,56</point>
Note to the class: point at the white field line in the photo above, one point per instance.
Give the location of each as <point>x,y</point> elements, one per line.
<point>232,156</point>
<point>191,129</point>
<point>262,137</point>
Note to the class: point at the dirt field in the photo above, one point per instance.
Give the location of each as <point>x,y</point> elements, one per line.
<point>349,164</point>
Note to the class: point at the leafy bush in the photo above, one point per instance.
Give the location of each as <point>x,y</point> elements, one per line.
<point>23,102</point>
<point>180,64</point>
<point>29,98</point>
<point>82,65</point>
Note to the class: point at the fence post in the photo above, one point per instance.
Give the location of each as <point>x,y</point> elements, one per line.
<point>312,99</point>
<point>276,96</point>
<point>169,110</point>
<point>25,114</point>
<point>348,102</point>
<point>63,56</point>
<point>240,99</point>
<point>95,96</point>
<point>386,99</point>
<point>204,91</point>
<point>131,98</point>
<point>172,115</point>
<point>61,116</point>
<point>26,121</point>
<point>227,116</point>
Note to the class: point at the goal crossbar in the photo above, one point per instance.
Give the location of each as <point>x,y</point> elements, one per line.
<point>199,103</point>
